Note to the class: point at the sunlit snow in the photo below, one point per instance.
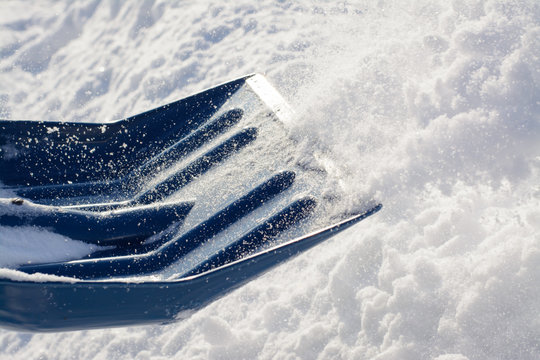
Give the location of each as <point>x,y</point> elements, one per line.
<point>430,107</point>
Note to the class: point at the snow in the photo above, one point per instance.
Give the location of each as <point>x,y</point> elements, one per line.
<point>29,245</point>
<point>20,276</point>
<point>431,107</point>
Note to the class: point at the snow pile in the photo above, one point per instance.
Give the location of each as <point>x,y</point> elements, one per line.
<point>432,107</point>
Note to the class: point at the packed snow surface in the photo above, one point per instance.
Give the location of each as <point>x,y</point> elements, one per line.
<point>431,107</point>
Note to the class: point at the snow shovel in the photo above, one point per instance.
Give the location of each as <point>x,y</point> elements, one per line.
<point>184,203</point>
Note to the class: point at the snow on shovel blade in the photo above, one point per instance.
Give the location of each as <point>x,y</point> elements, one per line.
<point>184,203</point>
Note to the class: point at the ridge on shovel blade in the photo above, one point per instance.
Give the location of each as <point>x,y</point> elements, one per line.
<point>184,203</point>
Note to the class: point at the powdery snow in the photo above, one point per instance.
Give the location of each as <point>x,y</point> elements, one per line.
<point>431,107</point>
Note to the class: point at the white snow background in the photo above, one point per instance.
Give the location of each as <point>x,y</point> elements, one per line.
<point>431,107</point>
